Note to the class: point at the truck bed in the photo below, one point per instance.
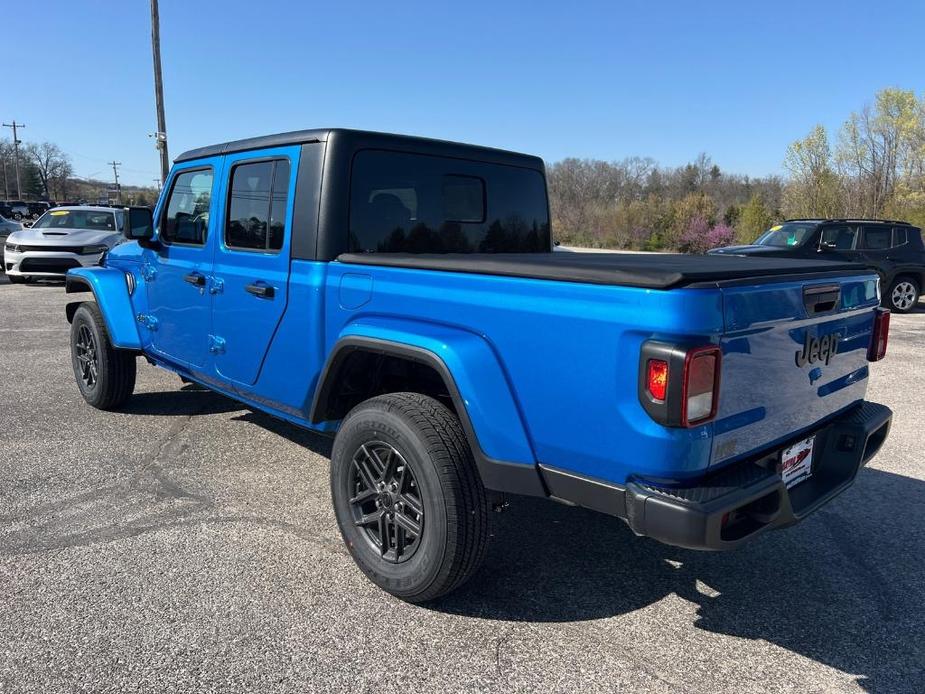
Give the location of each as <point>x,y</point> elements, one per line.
<point>644,270</point>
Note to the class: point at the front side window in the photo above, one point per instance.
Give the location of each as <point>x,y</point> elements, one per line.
<point>415,203</point>
<point>841,238</point>
<point>257,205</point>
<point>186,220</point>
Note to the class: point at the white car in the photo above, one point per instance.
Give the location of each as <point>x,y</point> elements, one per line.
<point>61,239</point>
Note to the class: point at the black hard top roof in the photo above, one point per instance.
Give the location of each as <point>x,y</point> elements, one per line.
<point>364,138</point>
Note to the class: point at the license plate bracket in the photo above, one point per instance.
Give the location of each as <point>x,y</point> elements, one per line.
<point>796,462</point>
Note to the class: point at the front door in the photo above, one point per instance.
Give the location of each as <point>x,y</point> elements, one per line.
<point>251,260</point>
<point>177,271</point>
<point>839,242</point>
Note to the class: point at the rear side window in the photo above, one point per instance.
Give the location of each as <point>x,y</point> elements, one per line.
<point>877,238</point>
<point>257,205</point>
<point>186,220</point>
<point>416,203</point>
<point>842,238</point>
<point>900,236</point>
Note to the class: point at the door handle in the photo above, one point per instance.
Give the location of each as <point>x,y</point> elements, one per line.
<point>264,291</point>
<point>195,278</point>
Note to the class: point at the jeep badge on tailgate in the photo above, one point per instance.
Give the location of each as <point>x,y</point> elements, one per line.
<point>817,349</point>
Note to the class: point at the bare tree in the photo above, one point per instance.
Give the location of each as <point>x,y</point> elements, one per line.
<point>51,163</point>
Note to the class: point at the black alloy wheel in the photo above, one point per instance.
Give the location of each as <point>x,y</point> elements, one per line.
<point>386,502</point>
<point>87,356</point>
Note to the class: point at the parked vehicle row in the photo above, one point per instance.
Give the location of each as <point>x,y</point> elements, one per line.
<point>412,305</point>
<point>19,210</point>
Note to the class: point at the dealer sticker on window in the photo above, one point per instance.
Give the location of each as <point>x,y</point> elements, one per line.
<point>796,462</point>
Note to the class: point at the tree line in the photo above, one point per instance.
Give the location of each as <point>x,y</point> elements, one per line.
<point>876,168</point>
<point>46,173</point>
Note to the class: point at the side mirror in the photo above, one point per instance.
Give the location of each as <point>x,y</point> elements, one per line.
<point>827,246</point>
<point>138,225</point>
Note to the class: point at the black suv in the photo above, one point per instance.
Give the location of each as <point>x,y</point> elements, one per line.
<point>893,248</point>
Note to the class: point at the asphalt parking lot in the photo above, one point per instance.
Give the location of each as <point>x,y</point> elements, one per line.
<point>188,544</point>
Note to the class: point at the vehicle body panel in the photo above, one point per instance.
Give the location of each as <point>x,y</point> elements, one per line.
<point>180,308</point>
<point>110,290</point>
<point>766,395</point>
<point>564,354</point>
<point>245,321</point>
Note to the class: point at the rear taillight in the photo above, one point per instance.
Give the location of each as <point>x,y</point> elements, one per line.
<point>700,386</point>
<point>880,335</point>
<point>679,384</point>
<point>657,379</point>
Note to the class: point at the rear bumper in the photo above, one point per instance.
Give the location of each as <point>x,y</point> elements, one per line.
<point>738,502</point>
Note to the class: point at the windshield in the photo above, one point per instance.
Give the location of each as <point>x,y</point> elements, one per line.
<point>784,235</point>
<point>79,219</point>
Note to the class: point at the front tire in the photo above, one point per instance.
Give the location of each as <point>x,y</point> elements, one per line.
<point>17,279</point>
<point>903,295</point>
<point>407,496</point>
<point>105,375</point>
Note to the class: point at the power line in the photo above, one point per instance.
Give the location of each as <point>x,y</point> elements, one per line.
<point>16,144</point>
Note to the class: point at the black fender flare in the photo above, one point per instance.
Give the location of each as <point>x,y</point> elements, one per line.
<point>496,475</point>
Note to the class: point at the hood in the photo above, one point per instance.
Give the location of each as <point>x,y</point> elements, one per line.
<point>745,250</point>
<point>64,237</point>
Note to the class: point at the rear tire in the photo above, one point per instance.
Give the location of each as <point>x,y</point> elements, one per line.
<point>105,375</point>
<point>903,295</point>
<point>401,462</point>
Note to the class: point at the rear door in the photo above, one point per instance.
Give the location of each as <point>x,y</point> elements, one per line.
<point>794,353</point>
<point>176,273</point>
<point>251,260</point>
<point>876,247</point>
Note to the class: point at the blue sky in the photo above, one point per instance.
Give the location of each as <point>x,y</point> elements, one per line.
<point>738,80</point>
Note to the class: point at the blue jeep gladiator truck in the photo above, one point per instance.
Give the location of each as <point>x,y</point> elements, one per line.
<point>402,294</point>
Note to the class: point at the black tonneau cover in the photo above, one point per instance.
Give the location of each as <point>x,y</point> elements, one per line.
<point>645,270</point>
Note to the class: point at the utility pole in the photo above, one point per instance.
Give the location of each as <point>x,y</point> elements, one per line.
<point>6,185</point>
<point>16,144</point>
<point>157,183</point>
<point>115,172</point>
<point>161,134</point>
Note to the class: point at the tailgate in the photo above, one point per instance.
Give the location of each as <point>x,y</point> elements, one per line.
<point>794,354</point>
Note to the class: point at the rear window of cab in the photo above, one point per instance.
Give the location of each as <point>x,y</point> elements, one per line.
<point>415,203</point>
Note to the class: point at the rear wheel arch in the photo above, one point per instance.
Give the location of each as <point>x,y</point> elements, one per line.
<point>347,380</point>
